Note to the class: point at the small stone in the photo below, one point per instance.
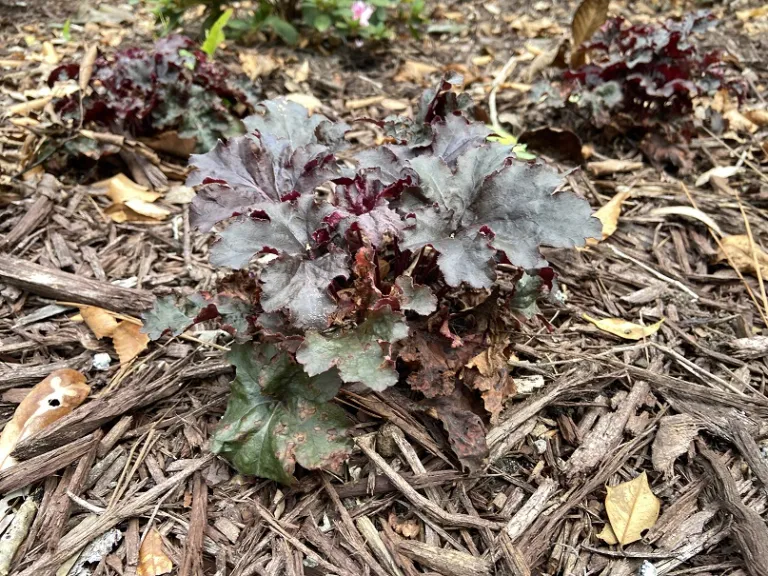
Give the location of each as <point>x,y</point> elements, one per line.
<point>101,361</point>
<point>647,569</point>
<point>540,445</point>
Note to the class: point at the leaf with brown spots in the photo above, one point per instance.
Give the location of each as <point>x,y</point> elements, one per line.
<point>434,363</point>
<point>466,431</point>
<point>279,416</point>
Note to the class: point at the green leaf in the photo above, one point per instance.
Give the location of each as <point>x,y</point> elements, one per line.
<point>164,317</point>
<point>215,35</point>
<point>277,416</point>
<point>415,297</point>
<point>65,31</point>
<point>285,30</point>
<point>322,22</point>
<point>362,354</point>
<point>527,292</point>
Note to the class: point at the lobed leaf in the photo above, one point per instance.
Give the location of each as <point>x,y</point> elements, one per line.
<point>277,416</point>
<point>362,354</point>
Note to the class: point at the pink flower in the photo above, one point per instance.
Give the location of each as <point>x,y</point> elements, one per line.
<point>362,12</point>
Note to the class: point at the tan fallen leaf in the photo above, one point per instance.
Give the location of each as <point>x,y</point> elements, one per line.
<point>50,56</point>
<point>589,16</point>
<point>408,528</point>
<point>300,73</point>
<point>689,212</point>
<point>758,117</point>
<point>416,72</point>
<point>607,535</point>
<point>121,188</point>
<point>25,108</point>
<point>719,171</point>
<point>624,329</point>
<point>257,65</point>
<point>609,214</point>
<point>482,60</point>
<point>310,102</point>
<point>153,560</point>
<point>54,397</point>
<point>604,167</point>
<point>752,13</point>
<point>171,143</point>
<point>129,341</point>
<point>101,322</point>
<point>740,123</point>
<point>632,509</point>
<point>86,66</point>
<point>147,209</point>
<point>740,252</point>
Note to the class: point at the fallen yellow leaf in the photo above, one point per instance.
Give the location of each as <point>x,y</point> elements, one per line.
<point>152,559</point>
<point>310,102</point>
<point>101,322</point>
<point>740,252</point>
<point>632,509</point>
<point>149,210</point>
<point>609,216</point>
<point>759,117</point>
<point>129,341</point>
<point>607,535</point>
<point>416,72</point>
<point>624,329</point>
<point>120,189</point>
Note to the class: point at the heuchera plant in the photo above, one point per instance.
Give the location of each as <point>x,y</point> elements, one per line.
<point>409,263</point>
<point>646,74</point>
<point>172,87</point>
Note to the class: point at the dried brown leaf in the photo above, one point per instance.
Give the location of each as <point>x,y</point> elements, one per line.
<point>589,16</point>
<point>101,322</point>
<point>416,72</point>
<point>54,397</point>
<point>86,66</point>
<point>488,372</point>
<point>609,216</point>
<point>129,342</point>
<point>613,167</point>
<point>624,329</point>
<point>152,559</point>
<point>738,248</point>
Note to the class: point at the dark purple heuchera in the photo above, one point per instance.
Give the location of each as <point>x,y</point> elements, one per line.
<point>172,87</point>
<point>648,73</point>
<point>374,264</point>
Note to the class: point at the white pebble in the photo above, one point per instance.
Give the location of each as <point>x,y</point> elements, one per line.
<point>101,361</point>
<point>540,445</point>
<point>647,569</point>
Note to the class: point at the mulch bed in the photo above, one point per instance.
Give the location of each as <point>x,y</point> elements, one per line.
<point>686,405</point>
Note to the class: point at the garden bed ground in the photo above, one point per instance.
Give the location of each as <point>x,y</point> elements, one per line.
<point>593,409</point>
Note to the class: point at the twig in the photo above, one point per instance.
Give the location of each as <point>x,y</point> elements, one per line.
<point>458,520</point>
<point>296,543</point>
<point>500,78</point>
<point>656,273</point>
<point>85,504</point>
<point>734,154</point>
<point>753,249</point>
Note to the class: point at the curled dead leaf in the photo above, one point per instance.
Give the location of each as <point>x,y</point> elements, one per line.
<point>738,248</point>
<point>86,66</point>
<point>488,372</point>
<point>52,398</point>
<point>129,341</point>
<point>416,72</point>
<point>609,214</point>
<point>605,167</point>
<point>632,509</point>
<point>740,123</point>
<point>101,322</point>
<point>120,189</point>
<point>589,16</point>
<point>689,212</point>
<point>624,329</point>
<point>153,560</point>
<point>758,117</point>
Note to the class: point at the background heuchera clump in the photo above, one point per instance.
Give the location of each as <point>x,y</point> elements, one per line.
<point>410,262</point>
